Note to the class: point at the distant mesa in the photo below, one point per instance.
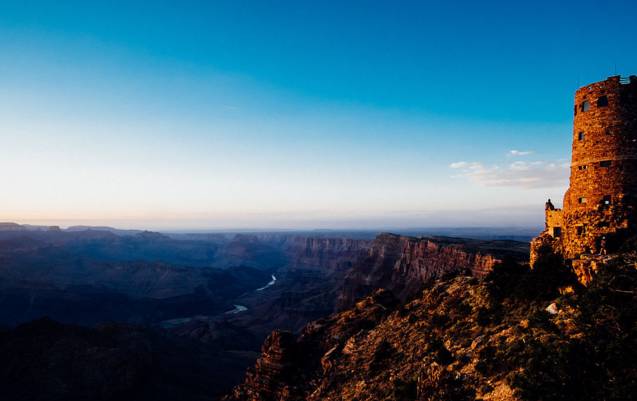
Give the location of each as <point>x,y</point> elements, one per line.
<point>10,226</point>
<point>103,228</point>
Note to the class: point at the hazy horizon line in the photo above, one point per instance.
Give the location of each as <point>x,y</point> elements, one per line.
<point>230,229</point>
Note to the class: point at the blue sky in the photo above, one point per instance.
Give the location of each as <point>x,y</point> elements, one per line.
<point>293,114</point>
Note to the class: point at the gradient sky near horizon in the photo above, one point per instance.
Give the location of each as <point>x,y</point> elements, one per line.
<point>296,114</point>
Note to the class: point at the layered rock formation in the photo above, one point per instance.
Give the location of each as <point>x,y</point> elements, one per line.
<point>404,264</point>
<point>319,280</point>
<point>327,253</point>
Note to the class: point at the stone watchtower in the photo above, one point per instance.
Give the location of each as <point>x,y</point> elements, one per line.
<point>600,205</point>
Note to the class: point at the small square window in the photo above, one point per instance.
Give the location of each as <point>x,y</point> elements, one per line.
<point>581,230</point>
<point>557,231</point>
<point>581,136</point>
<point>606,200</point>
<point>581,200</point>
<point>605,163</point>
<point>585,106</point>
<point>602,101</point>
<point>583,167</point>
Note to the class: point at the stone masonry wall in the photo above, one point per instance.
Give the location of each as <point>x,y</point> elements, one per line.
<point>599,206</point>
<point>603,183</point>
<point>554,222</point>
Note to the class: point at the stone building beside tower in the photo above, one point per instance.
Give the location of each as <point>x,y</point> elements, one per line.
<point>600,206</point>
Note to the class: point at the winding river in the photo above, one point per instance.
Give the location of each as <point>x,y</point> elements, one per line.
<point>237,309</point>
<point>271,283</point>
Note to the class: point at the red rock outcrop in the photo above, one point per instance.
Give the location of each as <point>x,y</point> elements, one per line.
<point>288,362</point>
<point>404,264</point>
<point>268,379</point>
<point>462,339</point>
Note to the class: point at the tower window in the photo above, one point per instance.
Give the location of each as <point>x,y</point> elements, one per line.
<point>602,101</point>
<point>605,163</point>
<point>606,200</point>
<point>581,135</point>
<point>557,231</point>
<point>581,200</point>
<point>581,230</point>
<point>575,110</point>
<point>585,106</point>
<point>582,167</point>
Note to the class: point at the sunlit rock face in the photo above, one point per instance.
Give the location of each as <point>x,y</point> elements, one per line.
<point>599,206</point>
<point>508,337</point>
<point>404,264</point>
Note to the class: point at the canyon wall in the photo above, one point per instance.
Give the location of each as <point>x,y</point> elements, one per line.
<point>331,254</point>
<point>404,264</point>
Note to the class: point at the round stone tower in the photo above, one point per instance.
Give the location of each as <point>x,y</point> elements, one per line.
<point>602,196</point>
<point>600,205</point>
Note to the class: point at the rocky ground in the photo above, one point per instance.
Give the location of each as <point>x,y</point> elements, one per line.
<point>516,335</point>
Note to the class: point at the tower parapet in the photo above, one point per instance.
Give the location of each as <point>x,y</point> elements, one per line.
<point>599,208</point>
